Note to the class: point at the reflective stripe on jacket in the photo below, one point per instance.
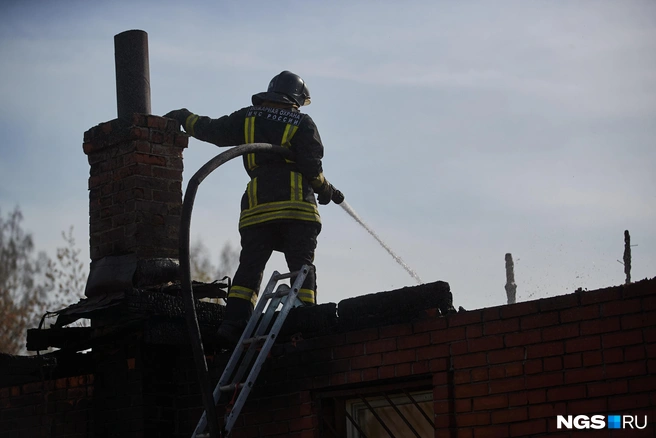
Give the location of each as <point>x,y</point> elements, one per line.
<point>280,189</point>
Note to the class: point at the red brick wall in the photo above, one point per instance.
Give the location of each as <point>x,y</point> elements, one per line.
<point>501,371</point>
<point>135,187</point>
<point>496,372</point>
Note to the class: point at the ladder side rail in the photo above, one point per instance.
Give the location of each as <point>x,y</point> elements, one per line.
<point>292,298</point>
<point>254,347</point>
<point>250,327</point>
<point>238,353</point>
<point>289,300</point>
<point>271,285</point>
<point>233,362</point>
<point>242,357</point>
<point>257,326</point>
<point>252,377</point>
<point>237,358</point>
<point>270,314</point>
<point>288,297</point>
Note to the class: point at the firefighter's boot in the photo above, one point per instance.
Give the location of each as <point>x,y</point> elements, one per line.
<point>237,314</point>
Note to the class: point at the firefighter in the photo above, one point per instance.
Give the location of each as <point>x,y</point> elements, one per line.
<point>278,209</point>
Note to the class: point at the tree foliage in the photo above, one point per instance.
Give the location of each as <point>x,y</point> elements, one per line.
<point>67,273</point>
<point>203,270</point>
<point>202,267</point>
<point>24,283</point>
<point>32,283</point>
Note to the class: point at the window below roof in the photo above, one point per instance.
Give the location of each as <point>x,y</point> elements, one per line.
<point>401,414</point>
<point>399,408</point>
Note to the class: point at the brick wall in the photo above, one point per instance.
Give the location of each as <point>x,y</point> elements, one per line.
<point>49,408</point>
<point>135,187</point>
<point>118,403</point>
<point>501,371</point>
<point>497,372</point>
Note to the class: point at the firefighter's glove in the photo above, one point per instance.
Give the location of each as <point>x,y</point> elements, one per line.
<point>179,115</point>
<point>325,193</point>
<point>338,197</point>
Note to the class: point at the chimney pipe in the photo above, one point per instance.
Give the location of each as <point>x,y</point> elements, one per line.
<point>132,73</point>
<point>511,287</point>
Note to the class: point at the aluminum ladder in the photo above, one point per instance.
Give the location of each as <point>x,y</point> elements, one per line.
<point>257,338</point>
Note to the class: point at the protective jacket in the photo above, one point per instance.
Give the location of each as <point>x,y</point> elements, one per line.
<point>280,189</point>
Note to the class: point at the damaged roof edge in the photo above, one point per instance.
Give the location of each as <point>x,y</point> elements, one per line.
<point>162,316</point>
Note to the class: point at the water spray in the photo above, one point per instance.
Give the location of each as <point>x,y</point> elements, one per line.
<point>347,208</point>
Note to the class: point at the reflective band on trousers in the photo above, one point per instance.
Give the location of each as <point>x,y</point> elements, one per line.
<point>307,296</point>
<point>244,293</point>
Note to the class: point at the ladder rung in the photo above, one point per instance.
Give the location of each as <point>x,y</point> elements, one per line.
<point>281,292</point>
<point>255,339</point>
<point>287,275</point>
<point>231,387</point>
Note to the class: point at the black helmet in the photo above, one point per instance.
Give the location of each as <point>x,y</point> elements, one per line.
<point>285,87</point>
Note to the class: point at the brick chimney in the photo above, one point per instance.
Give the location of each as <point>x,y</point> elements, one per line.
<point>135,183</point>
<point>135,197</point>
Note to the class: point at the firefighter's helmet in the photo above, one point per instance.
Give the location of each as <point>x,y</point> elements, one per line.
<point>285,87</point>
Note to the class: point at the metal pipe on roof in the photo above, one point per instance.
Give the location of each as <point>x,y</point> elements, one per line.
<point>511,287</point>
<point>132,73</point>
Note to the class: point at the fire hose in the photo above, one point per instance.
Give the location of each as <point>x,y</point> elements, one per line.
<point>185,269</point>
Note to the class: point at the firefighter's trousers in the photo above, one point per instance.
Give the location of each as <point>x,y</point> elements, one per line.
<point>297,240</point>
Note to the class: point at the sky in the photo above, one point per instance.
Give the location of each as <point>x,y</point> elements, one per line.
<point>458,131</point>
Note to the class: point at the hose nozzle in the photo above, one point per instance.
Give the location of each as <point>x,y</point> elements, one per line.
<point>338,197</point>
